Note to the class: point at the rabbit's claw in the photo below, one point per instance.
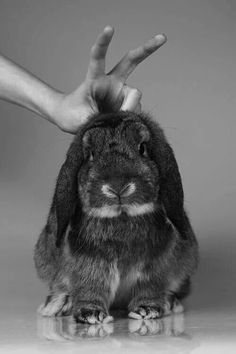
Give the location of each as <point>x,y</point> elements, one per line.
<point>146,312</point>
<point>92,316</point>
<point>154,312</point>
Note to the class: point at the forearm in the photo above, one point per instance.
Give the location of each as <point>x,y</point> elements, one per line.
<point>24,89</point>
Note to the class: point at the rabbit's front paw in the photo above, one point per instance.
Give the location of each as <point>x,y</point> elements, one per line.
<point>92,316</point>
<point>56,305</point>
<point>178,307</point>
<point>146,312</point>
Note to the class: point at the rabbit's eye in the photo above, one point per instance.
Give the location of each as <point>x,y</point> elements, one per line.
<point>91,156</point>
<point>143,149</point>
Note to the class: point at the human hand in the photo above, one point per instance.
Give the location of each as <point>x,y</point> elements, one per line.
<point>100,89</point>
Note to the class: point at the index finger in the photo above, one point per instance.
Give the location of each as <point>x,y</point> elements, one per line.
<point>129,62</point>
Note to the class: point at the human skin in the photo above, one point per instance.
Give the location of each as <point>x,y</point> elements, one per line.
<point>69,110</point>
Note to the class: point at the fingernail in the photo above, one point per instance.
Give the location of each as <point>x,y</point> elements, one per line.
<point>161,37</point>
<point>108,29</point>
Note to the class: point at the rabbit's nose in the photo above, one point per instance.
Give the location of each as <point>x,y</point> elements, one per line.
<point>124,191</point>
<point>108,191</point>
<point>127,190</point>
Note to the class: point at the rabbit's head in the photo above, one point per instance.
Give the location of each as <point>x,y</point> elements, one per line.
<point>117,175</point>
<point>116,165</point>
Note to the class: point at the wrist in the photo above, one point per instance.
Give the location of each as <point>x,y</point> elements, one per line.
<point>47,105</point>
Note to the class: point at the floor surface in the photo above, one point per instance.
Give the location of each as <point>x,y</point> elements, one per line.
<point>194,332</point>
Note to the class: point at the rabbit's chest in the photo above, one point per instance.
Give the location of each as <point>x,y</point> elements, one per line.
<point>122,282</point>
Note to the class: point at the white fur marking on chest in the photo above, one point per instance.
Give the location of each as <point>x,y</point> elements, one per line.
<point>114,280</point>
<point>128,282</point>
<point>131,278</point>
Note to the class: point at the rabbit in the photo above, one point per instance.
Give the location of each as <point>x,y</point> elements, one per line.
<point>117,235</point>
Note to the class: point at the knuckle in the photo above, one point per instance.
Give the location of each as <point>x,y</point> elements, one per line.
<point>138,93</point>
<point>148,48</point>
<point>130,56</point>
<point>97,52</point>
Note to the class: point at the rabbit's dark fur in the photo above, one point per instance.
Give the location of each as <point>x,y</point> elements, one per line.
<point>96,255</point>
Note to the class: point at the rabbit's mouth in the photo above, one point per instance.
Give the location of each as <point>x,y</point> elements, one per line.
<point>115,210</point>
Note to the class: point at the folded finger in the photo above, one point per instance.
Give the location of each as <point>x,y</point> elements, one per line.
<point>132,98</point>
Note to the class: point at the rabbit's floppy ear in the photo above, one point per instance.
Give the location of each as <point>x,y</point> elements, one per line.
<point>171,189</point>
<point>66,195</point>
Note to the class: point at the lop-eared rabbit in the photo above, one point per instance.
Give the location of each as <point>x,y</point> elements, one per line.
<point>117,234</point>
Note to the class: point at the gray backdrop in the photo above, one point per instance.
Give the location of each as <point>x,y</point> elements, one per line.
<point>188,86</point>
